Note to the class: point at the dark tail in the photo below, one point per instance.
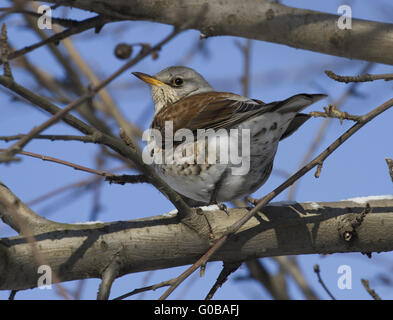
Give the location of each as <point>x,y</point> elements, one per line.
<point>298,102</point>
<point>295,124</point>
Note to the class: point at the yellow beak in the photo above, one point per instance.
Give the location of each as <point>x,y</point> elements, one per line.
<point>148,79</point>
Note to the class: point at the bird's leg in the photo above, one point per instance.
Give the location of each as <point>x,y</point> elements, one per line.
<point>213,197</point>
<point>213,200</point>
<point>222,206</point>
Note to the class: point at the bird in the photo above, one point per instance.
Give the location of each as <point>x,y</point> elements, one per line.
<point>184,100</point>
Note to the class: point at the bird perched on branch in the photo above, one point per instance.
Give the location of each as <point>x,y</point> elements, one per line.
<point>214,146</point>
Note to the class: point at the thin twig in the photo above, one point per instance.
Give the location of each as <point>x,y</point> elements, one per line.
<point>318,272</point>
<point>389,162</point>
<point>227,269</point>
<point>79,288</point>
<point>366,285</point>
<point>144,289</point>
<point>359,219</point>
<point>360,78</point>
<point>246,50</point>
<point>112,178</point>
<point>333,112</point>
<point>125,178</point>
<point>4,51</point>
<point>96,206</point>
<point>318,171</point>
<point>53,137</point>
<point>66,163</point>
<point>68,23</point>
<point>17,147</point>
<point>12,294</point>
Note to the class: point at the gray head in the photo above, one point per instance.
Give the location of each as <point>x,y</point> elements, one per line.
<point>174,83</point>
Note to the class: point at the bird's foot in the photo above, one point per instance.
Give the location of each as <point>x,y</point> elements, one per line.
<point>223,207</point>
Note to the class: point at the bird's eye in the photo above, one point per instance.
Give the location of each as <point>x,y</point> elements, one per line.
<point>178,81</point>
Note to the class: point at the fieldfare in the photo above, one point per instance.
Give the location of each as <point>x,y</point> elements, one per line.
<point>184,100</point>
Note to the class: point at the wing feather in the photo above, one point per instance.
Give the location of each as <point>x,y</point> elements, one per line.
<point>216,110</point>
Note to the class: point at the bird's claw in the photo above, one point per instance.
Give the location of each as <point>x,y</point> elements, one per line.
<point>223,207</point>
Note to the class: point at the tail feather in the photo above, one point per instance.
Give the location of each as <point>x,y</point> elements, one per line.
<point>298,102</point>
<point>295,124</point>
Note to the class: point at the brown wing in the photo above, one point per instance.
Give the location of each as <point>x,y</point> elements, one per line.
<point>206,110</point>
<point>218,110</point>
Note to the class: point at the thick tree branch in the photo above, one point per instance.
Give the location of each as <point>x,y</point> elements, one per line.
<point>79,251</point>
<point>260,20</point>
<point>16,214</point>
<point>109,275</point>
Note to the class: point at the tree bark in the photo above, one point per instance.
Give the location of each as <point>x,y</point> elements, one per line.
<point>260,20</point>
<point>80,251</point>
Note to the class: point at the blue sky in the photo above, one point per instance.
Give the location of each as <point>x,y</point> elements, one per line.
<point>357,168</point>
